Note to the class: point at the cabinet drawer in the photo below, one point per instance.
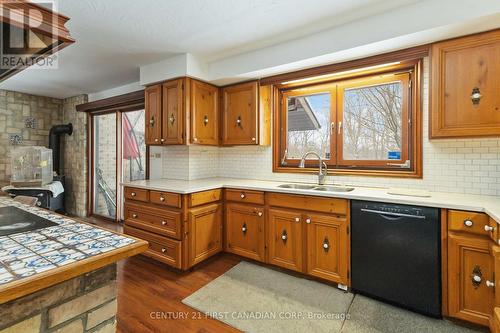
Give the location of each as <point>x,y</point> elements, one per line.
<point>326,205</point>
<point>137,194</point>
<point>165,198</point>
<point>255,197</point>
<point>161,248</point>
<point>205,197</point>
<point>159,221</point>
<point>471,222</point>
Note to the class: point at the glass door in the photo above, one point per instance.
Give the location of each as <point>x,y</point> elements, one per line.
<point>118,156</point>
<point>104,165</point>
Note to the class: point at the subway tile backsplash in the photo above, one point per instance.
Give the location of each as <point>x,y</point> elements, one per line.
<point>450,165</point>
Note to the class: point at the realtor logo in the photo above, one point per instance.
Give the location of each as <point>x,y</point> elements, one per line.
<point>22,43</point>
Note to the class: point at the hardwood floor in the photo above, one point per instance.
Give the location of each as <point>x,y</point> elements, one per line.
<point>150,294</point>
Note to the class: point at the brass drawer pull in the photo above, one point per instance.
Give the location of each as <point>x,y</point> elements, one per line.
<point>308,221</point>
<point>162,199</point>
<point>242,195</point>
<point>134,216</point>
<point>260,213</point>
<point>297,219</point>
<point>490,284</point>
<point>475,96</point>
<point>133,194</point>
<point>156,140</point>
<point>163,222</point>
<point>468,223</point>
<point>163,250</point>
<point>244,228</point>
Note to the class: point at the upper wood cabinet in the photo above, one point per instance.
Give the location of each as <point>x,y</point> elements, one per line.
<point>246,110</point>
<point>182,111</point>
<point>204,113</point>
<point>152,105</point>
<point>464,86</point>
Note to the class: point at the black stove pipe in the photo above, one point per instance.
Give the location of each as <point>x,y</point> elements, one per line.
<point>55,143</point>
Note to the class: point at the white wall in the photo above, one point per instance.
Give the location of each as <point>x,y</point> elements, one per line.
<point>451,165</point>
<point>127,88</point>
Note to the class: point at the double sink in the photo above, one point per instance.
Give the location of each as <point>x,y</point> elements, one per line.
<point>324,188</point>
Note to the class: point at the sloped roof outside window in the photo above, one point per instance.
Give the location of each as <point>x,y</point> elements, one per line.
<point>301,115</point>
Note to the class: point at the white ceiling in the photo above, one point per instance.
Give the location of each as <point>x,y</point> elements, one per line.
<point>115,37</point>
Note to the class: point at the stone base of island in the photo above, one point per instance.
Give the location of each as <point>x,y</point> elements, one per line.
<point>60,278</point>
<point>86,303</point>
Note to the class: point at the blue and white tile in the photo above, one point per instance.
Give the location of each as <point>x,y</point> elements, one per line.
<point>6,277</point>
<point>64,256</point>
<point>95,247</point>
<point>27,237</point>
<point>15,252</point>
<point>117,241</point>
<point>78,227</point>
<point>6,242</point>
<point>97,233</point>
<point>72,239</point>
<point>29,266</point>
<point>44,246</point>
<point>54,231</point>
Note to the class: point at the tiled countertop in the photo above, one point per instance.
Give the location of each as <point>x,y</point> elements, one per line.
<point>65,249</point>
<point>487,204</point>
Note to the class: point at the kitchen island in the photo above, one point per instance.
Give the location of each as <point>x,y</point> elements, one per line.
<point>61,276</point>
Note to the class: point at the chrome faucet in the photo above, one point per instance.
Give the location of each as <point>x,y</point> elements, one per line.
<point>323,168</point>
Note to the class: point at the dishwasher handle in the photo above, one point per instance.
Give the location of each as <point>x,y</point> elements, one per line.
<point>391,213</point>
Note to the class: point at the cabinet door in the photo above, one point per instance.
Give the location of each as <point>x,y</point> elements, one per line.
<point>465,82</point>
<point>152,105</point>
<point>204,232</point>
<point>240,116</point>
<point>204,113</point>
<point>470,272</point>
<point>245,230</point>
<point>173,112</point>
<point>285,239</point>
<point>327,246</point>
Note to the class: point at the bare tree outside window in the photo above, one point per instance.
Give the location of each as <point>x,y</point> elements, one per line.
<point>372,122</point>
<point>308,120</point>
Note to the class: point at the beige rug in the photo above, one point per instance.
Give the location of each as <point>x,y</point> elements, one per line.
<point>257,299</point>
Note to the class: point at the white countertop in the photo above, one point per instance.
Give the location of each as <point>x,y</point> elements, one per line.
<point>478,203</point>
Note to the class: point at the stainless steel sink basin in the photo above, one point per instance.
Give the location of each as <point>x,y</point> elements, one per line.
<point>317,187</point>
<point>298,186</point>
<point>333,188</point>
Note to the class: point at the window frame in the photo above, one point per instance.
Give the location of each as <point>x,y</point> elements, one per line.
<point>413,141</point>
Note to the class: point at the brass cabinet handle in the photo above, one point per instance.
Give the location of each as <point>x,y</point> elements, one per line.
<point>134,216</point>
<point>475,96</point>
<point>244,228</point>
<point>163,222</point>
<point>260,213</point>
<point>163,250</point>
<point>490,284</point>
<point>297,219</point>
<point>476,276</point>
<point>162,199</point>
<point>133,194</point>
<point>242,195</point>
<point>205,120</point>
<point>172,119</point>
<point>152,121</point>
<point>284,236</point>
<point>488,228</point>
<point>156,140</point>
<point>308,221</point>
<point>326,244</point>
<point>238,121</point>
<point>162,140</point>
<point>468,223</point>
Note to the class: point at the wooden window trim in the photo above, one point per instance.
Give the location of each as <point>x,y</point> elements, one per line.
<point>414,142</point>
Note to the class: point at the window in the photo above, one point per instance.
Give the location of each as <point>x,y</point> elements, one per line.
<point>363,125</point>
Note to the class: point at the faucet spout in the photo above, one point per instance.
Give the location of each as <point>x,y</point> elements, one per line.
<point>323,168</point>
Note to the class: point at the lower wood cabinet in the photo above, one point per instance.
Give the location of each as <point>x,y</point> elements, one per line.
<point>470,278</point>
<point>245,230</point>
<point>285,239</point>
<point>327,247</point>
<point>204,232</point>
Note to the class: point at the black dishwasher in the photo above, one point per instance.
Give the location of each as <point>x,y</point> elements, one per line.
<point>396,256</point>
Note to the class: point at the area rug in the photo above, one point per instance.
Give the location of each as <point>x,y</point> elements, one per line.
<point>257,299</point>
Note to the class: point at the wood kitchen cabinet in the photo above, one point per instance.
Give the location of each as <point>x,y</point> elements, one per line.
<point>327,244</point>
<point>204,232</point>
<point>182,111</point>
<point>246,111</point>
<point>285,239</point>
<point>152,107</point>
<point>245,230</point>
<point>464,86</point>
